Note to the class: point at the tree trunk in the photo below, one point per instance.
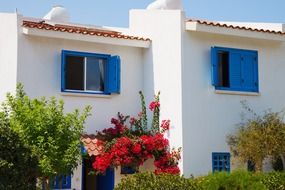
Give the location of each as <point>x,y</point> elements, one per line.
<point>46,184</point>
<point>60,181</point>
<point>258,166</point>
<point>282,156</point>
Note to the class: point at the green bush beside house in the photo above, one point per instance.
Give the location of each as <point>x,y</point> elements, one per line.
<point>237,180</point>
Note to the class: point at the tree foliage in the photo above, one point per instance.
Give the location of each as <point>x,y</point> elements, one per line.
<point>17,166</point>
<point>259,137</point>
<point>52,135</point>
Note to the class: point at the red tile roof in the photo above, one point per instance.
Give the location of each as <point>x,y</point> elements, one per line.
<point>217,24</point>
<point>80,30</point>
<point>91,145</point>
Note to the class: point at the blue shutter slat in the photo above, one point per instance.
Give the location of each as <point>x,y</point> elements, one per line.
<point>235,70</point>
<point>62,70</point>
<point>255,74</point>
<point>214,63</point>
<point>113,75</point>
<point>247,68</point>
<point>68,182</point>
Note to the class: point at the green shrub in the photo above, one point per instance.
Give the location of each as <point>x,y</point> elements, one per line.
<point>238,180</point>
<point>150,181</point>
<point>274,180</point>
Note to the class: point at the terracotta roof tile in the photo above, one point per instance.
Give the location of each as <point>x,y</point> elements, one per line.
<point>217,24</point>
<point>80,30</point>
<point>91,144</point>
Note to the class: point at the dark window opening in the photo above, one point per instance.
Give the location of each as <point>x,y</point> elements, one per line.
<point>223,69</point>
<point>250,166</point>
<point>74,73</point>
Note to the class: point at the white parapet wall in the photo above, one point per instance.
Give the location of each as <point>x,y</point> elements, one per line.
<point>8,53</point>
<point>162,63</point>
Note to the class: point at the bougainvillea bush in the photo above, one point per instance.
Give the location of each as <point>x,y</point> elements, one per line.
<point>129,143</point>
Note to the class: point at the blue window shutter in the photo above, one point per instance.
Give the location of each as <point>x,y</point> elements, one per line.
<point>67,185</point>
<point>235,70</point>
<point>113,75</point>
<point>62,70</point>
<point>255,73</point>
<point>214,62</point>
<point>247,72</point>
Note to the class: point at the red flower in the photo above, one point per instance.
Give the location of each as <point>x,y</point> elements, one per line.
<point>121,145</point>
<point>133,121</point>
<point>102,162</point>
<point>170,170</point>
<point>154,105</point>
<point>137,148</point>
<point>165,125</point>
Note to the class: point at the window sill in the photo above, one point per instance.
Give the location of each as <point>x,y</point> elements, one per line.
<point>237,93</point>
<point>89,95</point>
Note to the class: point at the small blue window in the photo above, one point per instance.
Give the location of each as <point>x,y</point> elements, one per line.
<point>221,161</point>
<point>128,170</point>
<point>64,180</point>
<point>90,73</point>
<point>234,69</point>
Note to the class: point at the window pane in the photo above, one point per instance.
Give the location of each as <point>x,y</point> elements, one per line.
<point>74,73</point>
<point>223,69</point>
<point>95,74</point>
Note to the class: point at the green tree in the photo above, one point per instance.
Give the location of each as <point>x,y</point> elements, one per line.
<point>17,165</point>
<point>52,135</point>
<point>259,137</point>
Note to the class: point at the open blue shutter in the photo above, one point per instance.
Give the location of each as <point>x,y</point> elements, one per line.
<point>62,70</point>
<point>255,73</point>
<point>247,69</point>
<point>235,70</point>
<point>67,184</point>
<point>214,62</point>
<point>113,75</point>
<point>106,181</point>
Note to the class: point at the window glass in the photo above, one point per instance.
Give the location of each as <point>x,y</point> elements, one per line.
<point>74,73</point>
<point>223,68</point>
<point>95,68</point>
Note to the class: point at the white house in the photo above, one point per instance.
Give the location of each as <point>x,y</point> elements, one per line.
<point>203,70</point>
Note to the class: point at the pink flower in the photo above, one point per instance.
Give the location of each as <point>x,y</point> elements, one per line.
<point>133,121</point>
<point>165,125</point>
<point>154,105</point>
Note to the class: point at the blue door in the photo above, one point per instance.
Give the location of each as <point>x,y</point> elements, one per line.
<point>106,181</point>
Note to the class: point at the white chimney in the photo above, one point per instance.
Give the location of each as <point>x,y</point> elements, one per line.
<point>58,14</point>
<point>166,5</point>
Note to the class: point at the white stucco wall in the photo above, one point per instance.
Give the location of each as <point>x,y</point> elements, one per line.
<point>178,64</point>
<point>8,53</point>
<point>209,117</point>
<point>39,69</point>
<point>162,71</point>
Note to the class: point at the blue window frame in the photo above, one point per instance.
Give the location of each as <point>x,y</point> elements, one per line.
<point>65,180</point>
<point>128,170</point>
<point>92,73</point>
<point>221,161</point>
<point>234,69</point>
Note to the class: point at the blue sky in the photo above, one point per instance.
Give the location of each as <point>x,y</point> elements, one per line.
<point>115,12</point>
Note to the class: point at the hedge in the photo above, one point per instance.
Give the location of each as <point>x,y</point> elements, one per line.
<point>150,181</point>
<point>237,180</point>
